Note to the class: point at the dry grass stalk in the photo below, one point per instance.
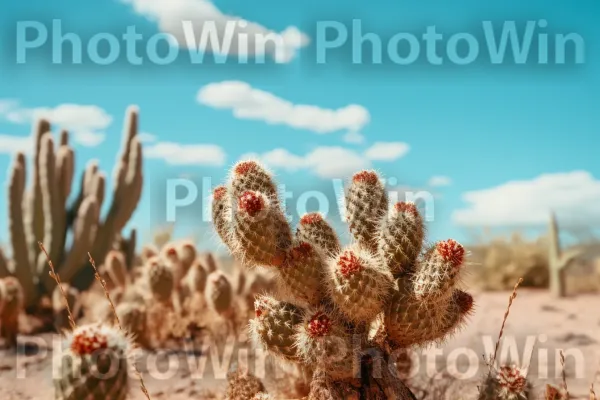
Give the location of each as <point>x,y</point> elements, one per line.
<point>592,393</point>
<point>55,276</point>
<point>112,306</point>
<point>564,375</point>
<point>510,301</point>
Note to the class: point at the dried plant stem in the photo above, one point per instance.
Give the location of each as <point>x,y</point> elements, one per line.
<point>55,276</point>
<point>112,306</point>
<point>510,301</point>
<point>564,375</point>
<point>592,393</point>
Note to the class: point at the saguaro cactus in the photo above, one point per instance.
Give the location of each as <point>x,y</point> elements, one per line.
<point>41,214</point>
<point>558,261</point>
<point>343,310</point>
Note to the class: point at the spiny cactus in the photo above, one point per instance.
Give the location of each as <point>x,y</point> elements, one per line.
<point>41,213</point>
<point>115,268</point>
<point>94,364</point>
<point>12,307</point>
<point>219,293</point>
<point>557,393</point>
<point>195,280</point>
<point>330,297</point>
<point>242,385</point>
<point>132,317</point>
<point>160,279</point>
<point>558,261</point>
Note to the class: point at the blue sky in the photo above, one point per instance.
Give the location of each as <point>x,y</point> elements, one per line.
<point>496,145</point>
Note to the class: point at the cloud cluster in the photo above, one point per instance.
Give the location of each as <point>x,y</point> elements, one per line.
<point>190,22</point>
<point>331,161</point>
<point>246,102</point>
<point>572,195</point>
<point>186,154</point>
<point>86,123</point>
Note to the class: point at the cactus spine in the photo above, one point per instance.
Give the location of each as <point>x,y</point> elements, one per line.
<point>330,297</point>
<point>40,212</point>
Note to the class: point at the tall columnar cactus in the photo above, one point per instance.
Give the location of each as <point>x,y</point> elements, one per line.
<point>94,365</point>
<point>41,213</point>
<point>558,261</point>
<point>343,310</point>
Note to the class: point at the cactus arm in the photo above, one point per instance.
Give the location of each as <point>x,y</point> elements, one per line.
<point>34,209</point>
<point>84,233</point>
<point>22,270</point>
<point>4,270</point>
<point>558,261</point>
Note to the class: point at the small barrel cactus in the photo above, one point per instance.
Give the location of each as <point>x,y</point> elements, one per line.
<point>160,280</point>
<point>343,309</point>
<point>242,385</point>
<point>195,280</point>
<point>219,293</point>
<point>94,364</point>
<point>132,317</point>
<point>11,310</point>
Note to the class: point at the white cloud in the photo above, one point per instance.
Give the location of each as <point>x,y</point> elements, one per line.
<point>145,137</point>
<point>325,162</point>
<point>440,180</point>
<point>193,22</point>
<point>387,151</point>
<point>249,103</point>
<point>186,154</point>
<point>86,123</point>
<point>10,144</point>
<point>573,196</point>
<point>354,137</point>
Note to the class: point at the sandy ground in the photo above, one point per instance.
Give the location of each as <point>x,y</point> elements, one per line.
<point>537,325</point>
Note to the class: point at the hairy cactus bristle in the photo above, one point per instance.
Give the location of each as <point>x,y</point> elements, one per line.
<point>302,273</point>
<point>219,293</point>
<point>274,327</point>
<point>366,205</point>
<point>401,238</point>
<point>322,339</point>
<point>358,284</point>
<point>439,271</point>
<point>314,229</point>
<point>160,280</point>
<point>95,364</point>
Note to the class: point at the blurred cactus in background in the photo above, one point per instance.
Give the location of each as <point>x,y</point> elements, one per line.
<point>343,311</point>
<point>41,213</point>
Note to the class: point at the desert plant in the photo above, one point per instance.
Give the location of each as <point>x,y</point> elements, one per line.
<point>160,280</point>
<point>507,383</point>
<point>242,385</point>
<point>219,293</point>
<point>40,213</point>
<point>94,365</point>
<point>558,261</point>
<point>12,307</point>
<point>329,296</point>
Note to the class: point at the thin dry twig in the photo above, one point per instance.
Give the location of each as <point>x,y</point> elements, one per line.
<point>564,375</point>
<point>55,276</point>
<point>592,393</point>
<point>510,301</point>
<point>112,306</point>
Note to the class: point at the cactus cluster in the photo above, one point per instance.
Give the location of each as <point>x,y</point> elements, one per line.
<point>40,213</point>
<point>329,297</point>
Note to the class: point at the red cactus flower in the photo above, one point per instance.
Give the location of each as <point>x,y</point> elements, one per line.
<point>349,263</point>
<point>511,380</point>
<point>407,208</point>
<point>369,177</point>
<point>311,218</point>
<point>319,325</point>
<point>244,167</point>
<point>88,340</point>
<point>219,192</point>
<point>251,203</point>
<point>451,251</point>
